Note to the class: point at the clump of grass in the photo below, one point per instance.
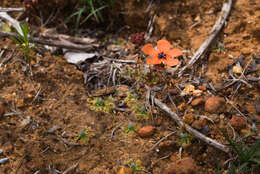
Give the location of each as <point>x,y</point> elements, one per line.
<point>23,41</point>
<point>247,159</point>
<point>90,8</point>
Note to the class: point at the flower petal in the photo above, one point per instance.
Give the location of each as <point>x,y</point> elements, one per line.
<point>153,61</point>
<point>163,45</point>
<point>149,50</point>
<point>171,62</point>
<point>175,52</point>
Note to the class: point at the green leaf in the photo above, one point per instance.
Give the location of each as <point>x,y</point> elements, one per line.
<point>93,13</point>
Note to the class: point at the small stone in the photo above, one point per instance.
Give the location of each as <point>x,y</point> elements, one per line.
<point>197,92</point>
<point>258,84</point>
<point>2,109</point>
<point>199,124</point>
<point>146,131</point>
<point>238,122</point>
<point>237,69</point>
<point>197,101</point>
<point>4,160</point>
<point>173,91</point>
<point>257,106</point>
<point>188,118</point>
<point>184,166</point>
<point>215,104</point>
<point>188,90</point>
<point>124,170</point>
<point>203,88</point>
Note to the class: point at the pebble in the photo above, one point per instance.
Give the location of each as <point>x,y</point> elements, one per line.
<point>257,106</point>
<point>124,170</point>
<point>203,88</point>
<point>197,101</point>
<point>237,69</point>
<point>146,131</point>
<point>215,104</point>
<point>4,160</point>
<point>188,90</point>
<point>238,122</point>
<point>184,166</point>
<point>53,129</point>
<point>258,84</point>
<point>199,124</point>
<point>188,118</point>
<point>197,92</point>
<point>2,109</point>
<point>1,151</point>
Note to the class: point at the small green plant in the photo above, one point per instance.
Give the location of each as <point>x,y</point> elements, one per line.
<point>82,136</point>
<point>104,105</point>
<point>130,129</point>
<point>23,41</point>
<point>247,158</point>
<point>219,47</point>
<point>185,139</point>
<point>136,166</point>
<point>90,8</point>
<point>136,106</point>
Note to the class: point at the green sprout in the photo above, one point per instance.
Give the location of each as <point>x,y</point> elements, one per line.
<point>130,129</point>
<point>82,136</point>
<point>23,41</point>
<point>136,166</point>
<point>185,139</point>
<point>247,158</point>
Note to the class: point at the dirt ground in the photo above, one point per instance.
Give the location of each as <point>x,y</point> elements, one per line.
<point>52,122</point>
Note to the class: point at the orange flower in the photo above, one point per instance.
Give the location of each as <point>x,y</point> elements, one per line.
<point>163,54</point>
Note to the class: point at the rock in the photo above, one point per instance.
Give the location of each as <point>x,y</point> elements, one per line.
<point>197,92</point>
<point>184,166</point>
<point>237,69</point>
<point>199,124</point>
<point>188,118</point>
<point>203,88</point>
<point>188,90</point>
<point>215,104</point>
<point>2,109</point>
<point>257,105</point>
<point>124,170</point>
<point>238,122</point>
<point>197,101</point>
<point>146,131</point>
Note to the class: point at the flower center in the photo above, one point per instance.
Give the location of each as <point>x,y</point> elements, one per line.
<point>162,55</point>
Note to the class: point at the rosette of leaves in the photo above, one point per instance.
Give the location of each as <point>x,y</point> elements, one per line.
<point>104,105</point>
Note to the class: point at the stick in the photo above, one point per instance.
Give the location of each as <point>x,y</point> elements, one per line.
<point>213,33</point>
<point>189,129</point>
<point>11,9</point>
<point>58,44</point>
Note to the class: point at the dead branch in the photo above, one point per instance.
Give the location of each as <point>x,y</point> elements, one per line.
<point>189,129</point>
<point>59,44</point>
<point>12,9</point>
<point>82,40</point>
<point>213,33</point>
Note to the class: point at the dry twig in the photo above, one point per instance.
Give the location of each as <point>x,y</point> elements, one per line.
<point>214,32</point>
<point>59,44</point>
<point>189,129</point>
